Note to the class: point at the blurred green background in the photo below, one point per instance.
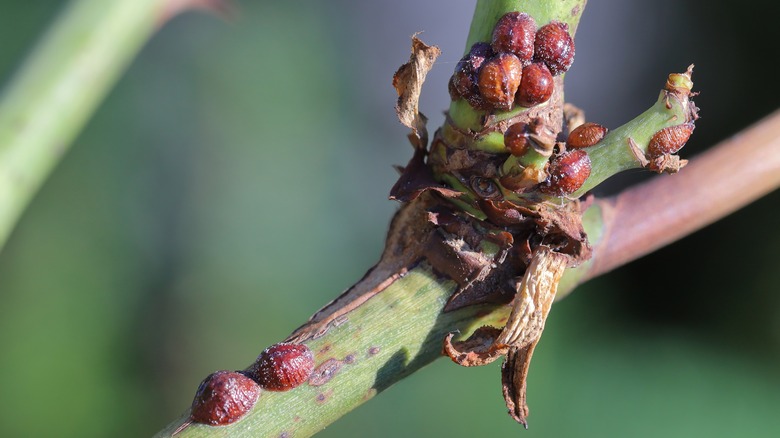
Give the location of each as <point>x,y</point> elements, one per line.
<point>235,180</point>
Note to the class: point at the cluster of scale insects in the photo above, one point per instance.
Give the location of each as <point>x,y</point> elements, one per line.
<point>517,68</point>
<point>226,396</point>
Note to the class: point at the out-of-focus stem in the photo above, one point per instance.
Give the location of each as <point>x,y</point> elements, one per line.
<point>716,183</point>
<point>52,96</point>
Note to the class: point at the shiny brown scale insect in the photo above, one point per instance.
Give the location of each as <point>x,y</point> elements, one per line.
<point>516,139</point>
<point>568,173</point>
<point>223,398</point>
<point>669,140</point>
<point>499,79</point>
<point>283,366</point>
<point>555,47</point>
<point>463,82</point>
<point>536,86</point>
<point>586,135</point>
<point>515,32</point>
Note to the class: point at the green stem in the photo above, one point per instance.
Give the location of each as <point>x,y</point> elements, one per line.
<point>488,12</point>
<point>58,88</point>
<point>613,153</point>
<point>390,336</point>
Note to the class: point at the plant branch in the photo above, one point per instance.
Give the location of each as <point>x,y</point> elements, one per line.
<point>53,95</point>
<point>718,182</point>
<point>399,330</point>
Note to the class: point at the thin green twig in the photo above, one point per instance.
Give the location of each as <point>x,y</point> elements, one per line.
<point>58,88</point>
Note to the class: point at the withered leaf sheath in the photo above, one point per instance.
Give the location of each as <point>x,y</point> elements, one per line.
<point>283,366</point>
<point>555,47</point>
<point>568,173</point>
<point>223,398</point>
<point>515,33</point>
<point>499,79</point>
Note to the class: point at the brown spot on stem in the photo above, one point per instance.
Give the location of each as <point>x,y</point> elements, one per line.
<point>373,351</point>
<point>323,373</point>
<point>324,396</point>
<point>349,359</point>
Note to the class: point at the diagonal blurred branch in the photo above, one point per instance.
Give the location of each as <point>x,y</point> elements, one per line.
<point>52,96</point>
<point>727,177</point>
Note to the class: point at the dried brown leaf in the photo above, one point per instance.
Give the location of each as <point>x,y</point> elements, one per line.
<point>514,375</point>
<point>416,178</point>
<point>479,349</point>
<point>408,81</point>
<point>535,295</point>
<point>525,325</point>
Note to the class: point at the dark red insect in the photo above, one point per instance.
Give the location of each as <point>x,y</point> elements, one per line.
<point>283,366</point>
<point>586,135</point>
<point>516,139</point>
<point>555,47</point>
<point>499,79</point>
<point>515,33</point>
<point>463,82</point>
<point>536,86</point>
<point>568,173</point>
<point>669,140</point>
<point>223,398</point>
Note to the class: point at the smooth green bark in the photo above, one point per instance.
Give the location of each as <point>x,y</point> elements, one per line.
<point>53,95</point>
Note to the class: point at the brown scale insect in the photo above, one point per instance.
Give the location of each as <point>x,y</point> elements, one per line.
<point>515,32</point>
<point>283,366</point>
<point>555,47</point>
<point>536,85</point>
<point>463,82</point>
<point>516,139</point>
<point>586,135</point>
<point>568,173</point>
<point>223,398</point>
<point>499,79</point>
<point>669,140</point>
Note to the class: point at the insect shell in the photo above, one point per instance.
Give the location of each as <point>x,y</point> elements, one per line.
<point>499,79</point>
<point>536,86</point>
<point>283,366</point>
<point>669,140</point>
<point>568,173</point>
<point>515,33</point>
<point>555,47</point>
<point>223,398</point>
<point>586,135</point>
